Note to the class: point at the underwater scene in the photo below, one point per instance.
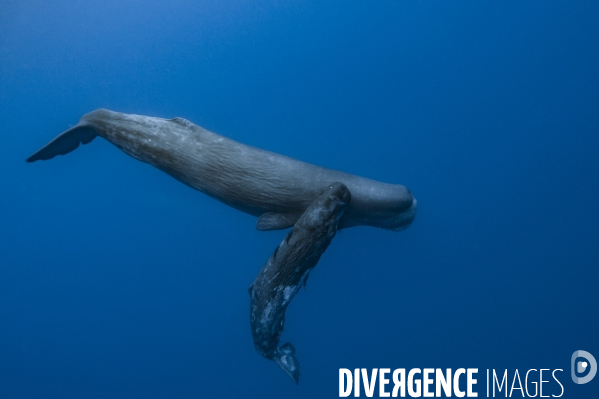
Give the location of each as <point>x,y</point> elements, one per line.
<point>173,172</point>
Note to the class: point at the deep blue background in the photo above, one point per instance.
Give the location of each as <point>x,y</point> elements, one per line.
<point>116,281</point>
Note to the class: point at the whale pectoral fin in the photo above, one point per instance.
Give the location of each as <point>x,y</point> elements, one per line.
<point>65,143</point>
<point>275,221</point>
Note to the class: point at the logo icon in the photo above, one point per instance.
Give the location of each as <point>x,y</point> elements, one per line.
<point>582,365</point>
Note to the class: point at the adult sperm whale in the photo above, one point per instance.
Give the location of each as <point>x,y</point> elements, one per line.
<point>276,188</point>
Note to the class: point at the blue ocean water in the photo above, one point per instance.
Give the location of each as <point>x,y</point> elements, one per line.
<point>117,281</point>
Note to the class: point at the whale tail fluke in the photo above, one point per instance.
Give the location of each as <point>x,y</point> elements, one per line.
<point>285,358</point>
<point>65,142</point>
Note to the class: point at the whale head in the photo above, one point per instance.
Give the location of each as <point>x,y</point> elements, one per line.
<point>386,206</point>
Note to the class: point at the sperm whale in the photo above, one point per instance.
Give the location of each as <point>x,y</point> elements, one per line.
<point>273,187</point>
<point>282,192</point>
<point>287,269</point>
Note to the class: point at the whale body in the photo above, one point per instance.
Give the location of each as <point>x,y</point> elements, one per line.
<point>288,269</point>
<point>273,187</point>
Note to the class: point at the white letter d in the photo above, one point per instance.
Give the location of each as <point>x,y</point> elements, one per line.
<point>345,387</point>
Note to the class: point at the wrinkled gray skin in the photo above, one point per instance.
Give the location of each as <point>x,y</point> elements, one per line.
<point>287,269</point>
<point>273,187</point>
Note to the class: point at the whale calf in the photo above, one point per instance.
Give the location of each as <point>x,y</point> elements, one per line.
<point>287,269</point>
<point>273,187</point>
